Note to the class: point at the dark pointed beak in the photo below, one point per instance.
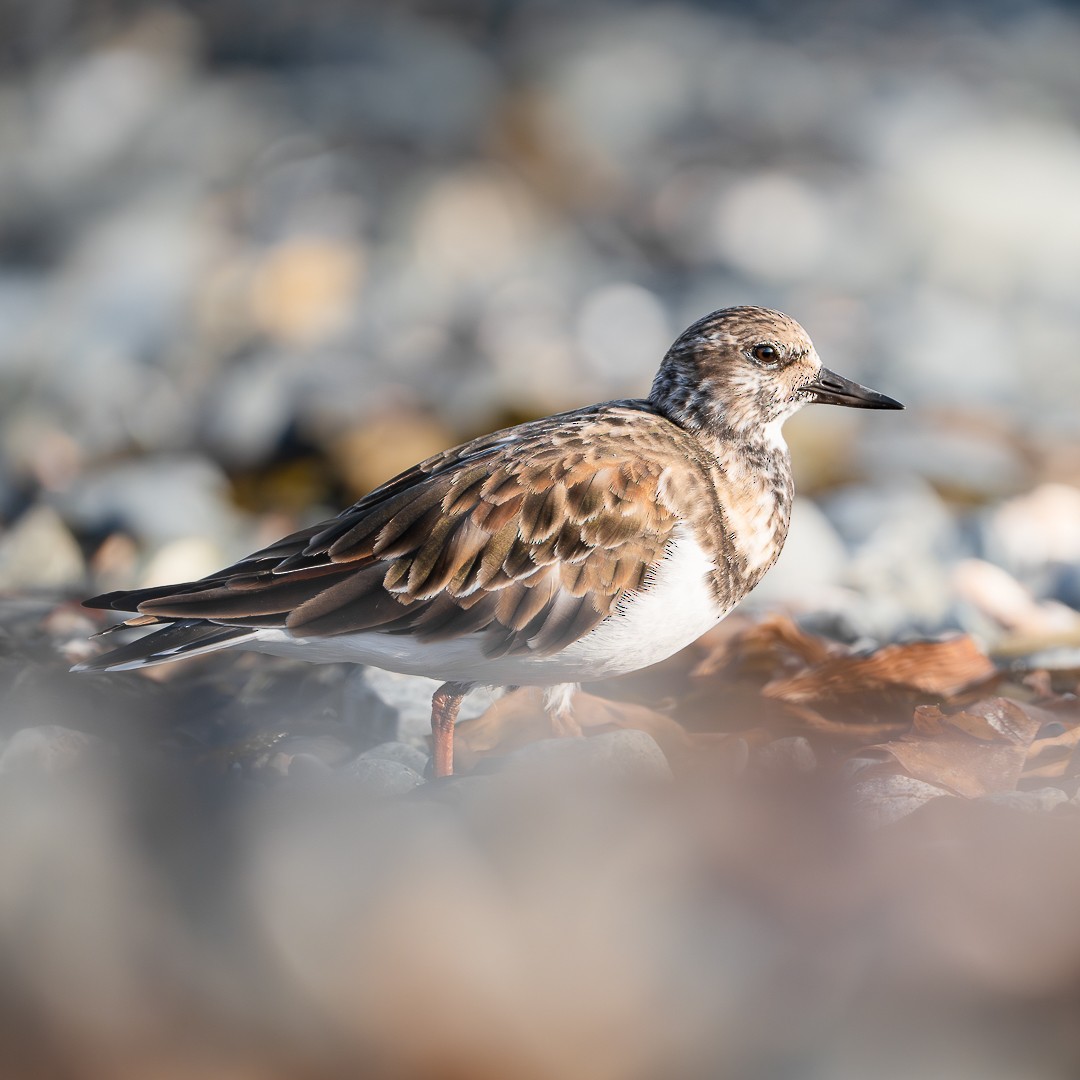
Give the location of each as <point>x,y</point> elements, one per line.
<point>832,389</point>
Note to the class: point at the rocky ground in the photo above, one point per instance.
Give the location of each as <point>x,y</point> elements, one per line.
<point>774,854</point>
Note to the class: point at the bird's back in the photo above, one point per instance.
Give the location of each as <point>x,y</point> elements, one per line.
<point>520,543</point>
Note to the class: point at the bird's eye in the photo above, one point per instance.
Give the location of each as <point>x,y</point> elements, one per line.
<point>769,355</point>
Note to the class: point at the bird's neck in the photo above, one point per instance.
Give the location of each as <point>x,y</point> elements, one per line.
<point>752,478</point>
<point>750,470</point>
<point>723,429</point>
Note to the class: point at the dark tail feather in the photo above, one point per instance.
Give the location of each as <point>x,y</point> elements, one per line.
<point>130,599</point>
<point>171,642</point>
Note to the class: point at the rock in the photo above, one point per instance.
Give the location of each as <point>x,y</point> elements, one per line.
<point>249,411</point>
<point>902,538</point>
<point>364,711</point>
<point>621,330</point>
<point>40,552</point>
<point>1002,601</point>
<point>380,776</point>
<point>409,697</point>
<point>1065,585</point>
<point>975,465</point>
<point>308,767</point>
<point>1062,658</point>
<point>762,211</point>
<point>898,516</point>
<point>1037,528</point>
<point>403,753</point>
<point>48,750</point>
<point>1038,801</point>
<point>157,498</point>
<point>185,559</point>
<point>788,755</point>
<point>623,755</point>
<point>325,749</point>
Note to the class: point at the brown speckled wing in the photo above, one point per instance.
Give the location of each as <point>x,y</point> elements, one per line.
<point>531,535</point>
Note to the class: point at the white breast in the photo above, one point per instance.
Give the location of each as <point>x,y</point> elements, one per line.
<point>674,608</point>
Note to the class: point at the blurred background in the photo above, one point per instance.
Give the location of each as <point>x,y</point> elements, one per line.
<point>257,257</point>
<point>254,260</point>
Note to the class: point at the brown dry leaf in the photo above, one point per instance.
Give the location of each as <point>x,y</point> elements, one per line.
<point>1055,756</point>
<point>940,668</point>
<point>978,751</point>
<point>764,645</point>
<point>885,796</point>
<point>850,730</point>
<point>518,718</point>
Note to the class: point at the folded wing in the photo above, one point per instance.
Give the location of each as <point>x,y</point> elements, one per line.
<point>530,537</point>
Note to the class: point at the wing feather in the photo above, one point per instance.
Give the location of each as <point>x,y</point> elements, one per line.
<point>530,536</point>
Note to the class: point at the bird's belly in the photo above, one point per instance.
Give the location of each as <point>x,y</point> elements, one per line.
<point>674,609</point>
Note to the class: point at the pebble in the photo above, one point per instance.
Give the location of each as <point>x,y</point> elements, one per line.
<point>1058,659</point>
<point>158,499</point>
<point>40,552</point>
<point>787,755</point>
<point>1038,801</point>
<point>1035,529</point>
<point>325,749</point>
<point>49,750</point>
<point>308,767</point>
<point>902,539</point>
<point>973,465</point>
<point>409,699</point>
<point>403,753</point>
<point>381,776</point>
<point>618,755</point>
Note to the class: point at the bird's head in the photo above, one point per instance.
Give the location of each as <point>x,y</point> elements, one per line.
<point>745,370</point>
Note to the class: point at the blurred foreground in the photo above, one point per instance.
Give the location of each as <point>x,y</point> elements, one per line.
<point>756,863</point>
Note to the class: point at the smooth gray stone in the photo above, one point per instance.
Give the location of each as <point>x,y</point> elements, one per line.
<point>250,409</point>
<point>1060,658</point>
<point>48,750</point>
<point>1029,802</point>
<point>326,749</point>
<point>365,711</point>
<point>308,767</point>
<point>403,753</point>
<point>626,754</point>
<point>157,498</point>
<point>39,551</point>
<point>791,754</point>
<point>379,776</point>
<point>409,696</point>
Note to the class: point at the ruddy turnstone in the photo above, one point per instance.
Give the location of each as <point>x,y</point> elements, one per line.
<point>583,545</point>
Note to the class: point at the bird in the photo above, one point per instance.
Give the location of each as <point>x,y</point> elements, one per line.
<point>583,545</point>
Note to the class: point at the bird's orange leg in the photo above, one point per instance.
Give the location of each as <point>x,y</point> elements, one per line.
<point>445,703</point>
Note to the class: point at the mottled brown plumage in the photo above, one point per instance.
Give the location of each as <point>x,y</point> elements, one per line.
<point>532,534</point>
<point>539,540</point>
